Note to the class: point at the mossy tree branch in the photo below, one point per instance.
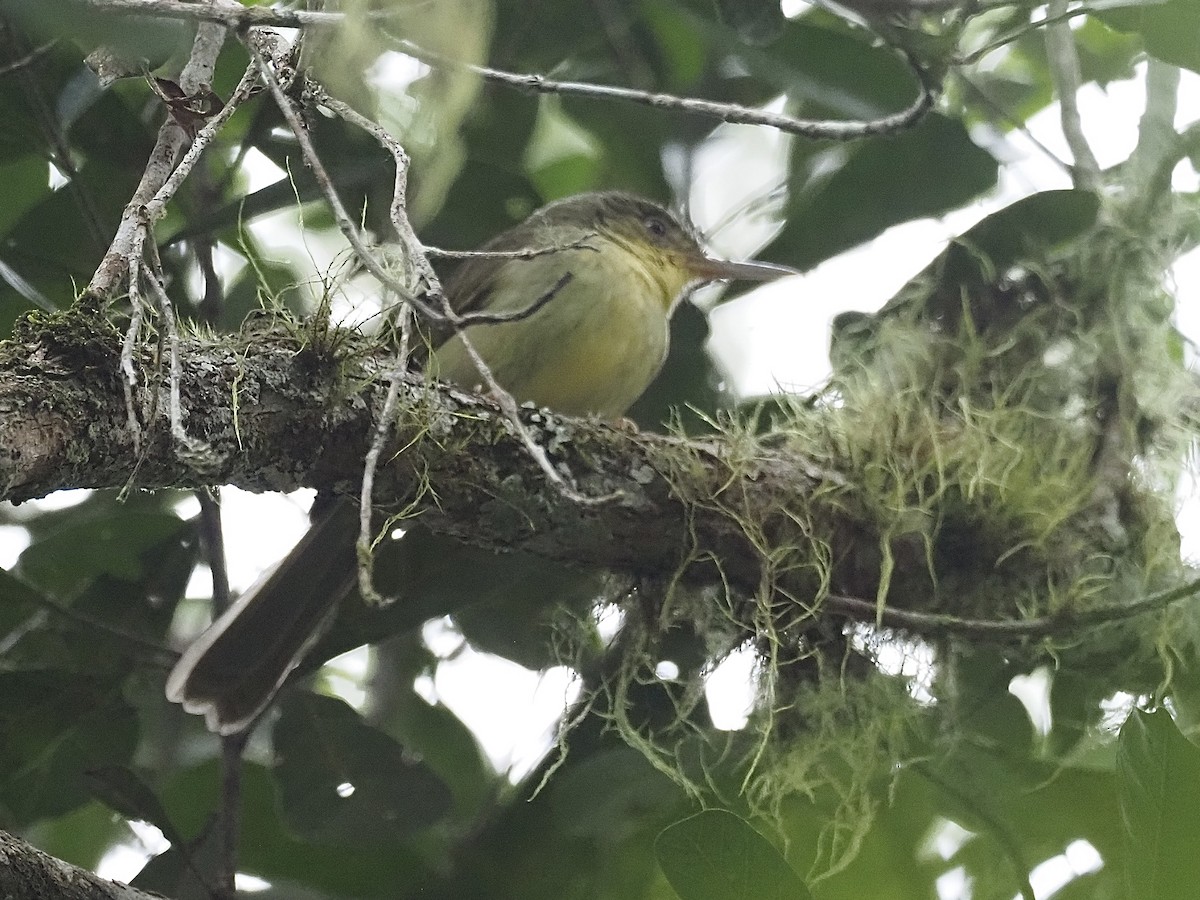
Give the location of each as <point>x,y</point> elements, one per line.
<point>284,406</point>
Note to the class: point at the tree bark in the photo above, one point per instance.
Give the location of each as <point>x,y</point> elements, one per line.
<point>282,406</point>
<point>26,871</point>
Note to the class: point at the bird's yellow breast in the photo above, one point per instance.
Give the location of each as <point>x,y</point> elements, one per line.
<point>592,349</point>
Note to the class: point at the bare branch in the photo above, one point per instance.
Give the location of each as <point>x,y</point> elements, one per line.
<point>1064,70</point>
<point>171,139</point>
<point>525,253</point>
<point>726,112</point>
<point>156,206</point>
<point>239,17</point>
<point>1062,624</point>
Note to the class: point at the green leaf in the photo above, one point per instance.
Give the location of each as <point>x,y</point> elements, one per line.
<point>715,855</point>
<point>1185,695</point>
<point>123,790</point>
<point>1034,228</point>
<point>53,727</point>
<point>26,182</point>
<point>1037,226</point>
<point>1159,791</point>
<point>1169,29</point>
<point>928,171</point>
<point>891,862</point>
<point>449,746</point>
<point>64,562</point>
<point>611,793</point>
<point>341,781</point>
<point>268,850</point>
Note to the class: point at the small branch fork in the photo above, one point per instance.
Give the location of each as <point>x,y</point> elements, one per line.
<point>233,15</point>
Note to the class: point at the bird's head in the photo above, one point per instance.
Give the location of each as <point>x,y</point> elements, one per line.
<point>659,240</point>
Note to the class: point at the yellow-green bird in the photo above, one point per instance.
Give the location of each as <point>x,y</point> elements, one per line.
<point>591,348</point>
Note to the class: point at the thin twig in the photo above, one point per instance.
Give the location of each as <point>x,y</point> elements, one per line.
<point>229,13</point>
<point>345,224</point>
<point>240,17</point>
<point>132,333</point>
<point>1064,72</point>
<point>232,748</point>
<point>383,432</point>
<point>1013,629</point>
<point>508,406</point>
<point>414,252</point>
<point>1006,39</point>
<point>196,452</point>
<point>732,113</point>
<point>156,206</point>
<point>423,301</point>
<point>212,543</point>
<point>171,138</point>
<point>28,58</point>
<point>524,253</point>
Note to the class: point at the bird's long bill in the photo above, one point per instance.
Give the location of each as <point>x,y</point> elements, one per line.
<point>723,270</point>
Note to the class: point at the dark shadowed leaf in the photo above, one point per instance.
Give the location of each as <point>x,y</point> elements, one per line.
<point>54,726</point>
<point>341,781</point>
<point>715,855</point>
<point>930,170</point>
<point>268,849</point>
<point>64,562</point>
<point>123,790</point>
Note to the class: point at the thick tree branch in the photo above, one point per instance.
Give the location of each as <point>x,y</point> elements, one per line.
<point>281,411</point>
<point>26,871</point>
<point>284,407</point>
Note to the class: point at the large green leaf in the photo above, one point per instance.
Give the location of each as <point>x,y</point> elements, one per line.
<point>116,545</point>
<point>884,181</point>
<point>444,742</point>
<point>715,855</point>
<point>1168,29</point>
<point>54,726</point>
<point>268,849</point>
<point>1159,790</point>
<point>891,862</point>
<point>341,781</point>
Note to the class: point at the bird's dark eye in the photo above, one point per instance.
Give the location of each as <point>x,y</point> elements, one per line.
<point>656,227</point>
